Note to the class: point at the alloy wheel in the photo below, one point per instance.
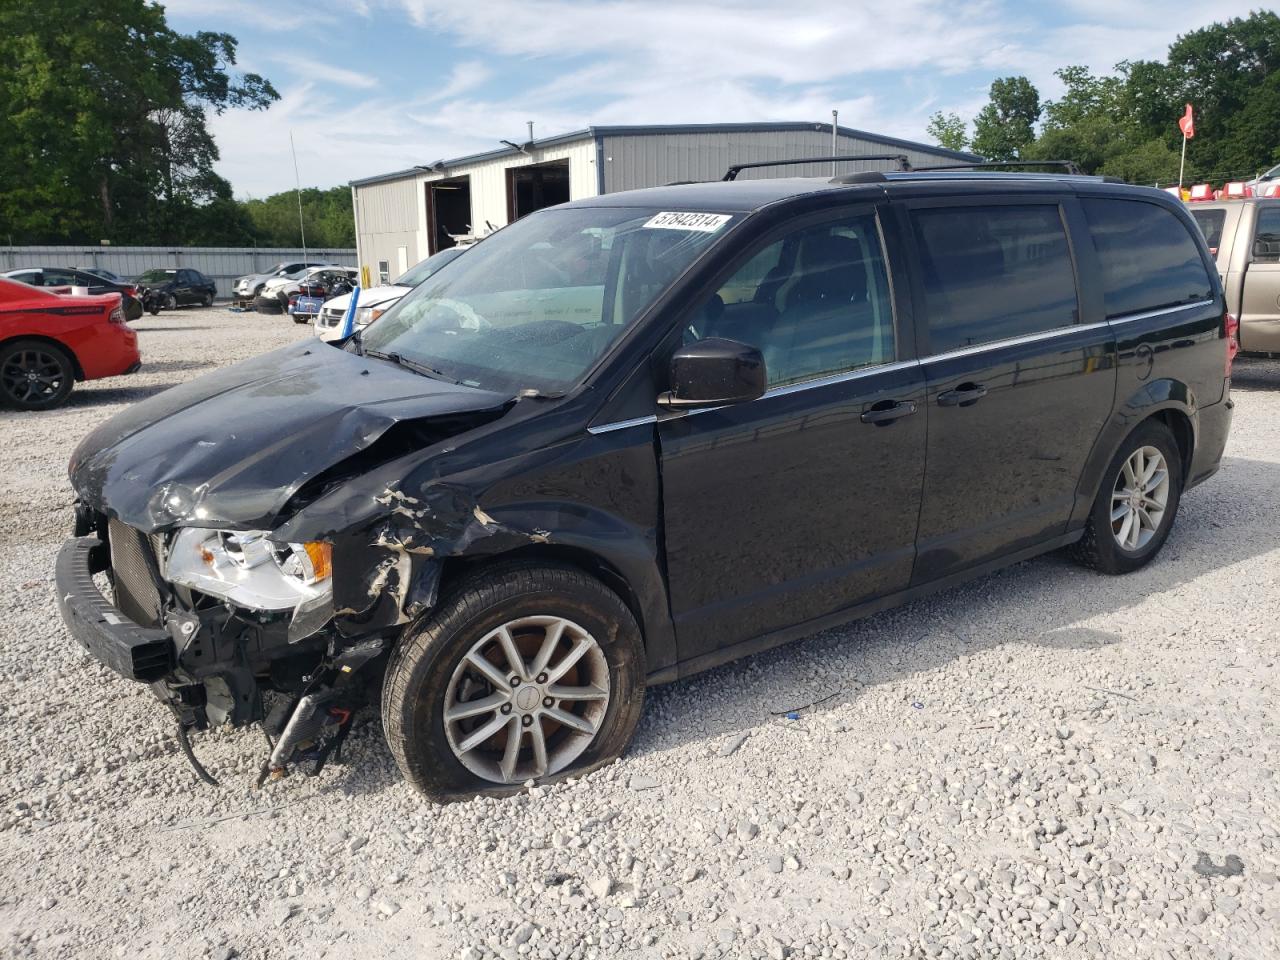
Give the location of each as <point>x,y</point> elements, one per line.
<point>1140,498</point>
<point>32,376</point>
<point>527,699</point>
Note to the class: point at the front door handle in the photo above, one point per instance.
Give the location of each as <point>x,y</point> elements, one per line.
<point>965,395</point>
<point>887,411</point>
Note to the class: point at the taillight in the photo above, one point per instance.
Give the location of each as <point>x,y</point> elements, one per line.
<point>117,316</point>
<point>1231,328</point>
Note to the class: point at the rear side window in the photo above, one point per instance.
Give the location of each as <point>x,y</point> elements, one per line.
<point>992,273</point>
<point>1266,241</point>
<point>1149,259</point>
<point>1210,223</point>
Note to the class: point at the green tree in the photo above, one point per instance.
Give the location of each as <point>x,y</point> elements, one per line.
<point>104,114</point>
<point>1006,125</point>
<point>948,130</point>
<point>327,214</point>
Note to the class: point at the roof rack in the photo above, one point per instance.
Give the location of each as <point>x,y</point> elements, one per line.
<point>1069,166</point>
<point>899,158</point>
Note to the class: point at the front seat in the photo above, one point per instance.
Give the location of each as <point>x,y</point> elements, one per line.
<point>826,322</point>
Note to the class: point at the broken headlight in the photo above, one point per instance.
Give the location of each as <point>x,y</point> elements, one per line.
<point>251,571</point>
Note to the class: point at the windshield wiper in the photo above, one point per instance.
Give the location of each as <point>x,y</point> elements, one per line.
<point>414,365</point>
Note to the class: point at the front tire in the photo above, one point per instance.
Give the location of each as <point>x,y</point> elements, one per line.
<point>1136,505</point>
<point>170,302</point>
<point>206,300</point>
<point>543,654</point>
<point>35,375</point>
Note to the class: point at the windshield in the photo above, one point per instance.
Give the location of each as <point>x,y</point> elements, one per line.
<point>537,303</point>
<point>428,267</point>
<point>157,276</point>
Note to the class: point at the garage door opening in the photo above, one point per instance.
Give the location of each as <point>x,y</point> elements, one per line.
<point>448,212</point>
<point>534,187</point>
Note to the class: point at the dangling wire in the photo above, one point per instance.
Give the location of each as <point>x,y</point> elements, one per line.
<point>184,741</point>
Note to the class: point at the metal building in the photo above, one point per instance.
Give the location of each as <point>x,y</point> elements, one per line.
<point>403,217</point>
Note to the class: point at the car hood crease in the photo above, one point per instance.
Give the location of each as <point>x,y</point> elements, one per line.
<point>231,448</point>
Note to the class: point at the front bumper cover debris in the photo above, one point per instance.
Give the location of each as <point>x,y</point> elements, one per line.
<point>135,652</point>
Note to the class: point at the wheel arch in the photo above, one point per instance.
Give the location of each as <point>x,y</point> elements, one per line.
<point>654,630</point>
<point>52,341</point>
<point>1165,401</point>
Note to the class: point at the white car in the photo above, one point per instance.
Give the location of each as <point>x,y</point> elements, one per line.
<point>248,286</point>
<point>377,300</point>
<point>274,296</point>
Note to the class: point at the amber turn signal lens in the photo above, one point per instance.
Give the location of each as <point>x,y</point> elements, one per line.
<point>320,554</point>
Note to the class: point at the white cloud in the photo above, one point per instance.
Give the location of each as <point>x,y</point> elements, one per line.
<point>332,74</point>
<point>885,64</point>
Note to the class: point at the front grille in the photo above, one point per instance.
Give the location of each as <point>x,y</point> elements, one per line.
<point>331,317</point>
<point>137,595</point>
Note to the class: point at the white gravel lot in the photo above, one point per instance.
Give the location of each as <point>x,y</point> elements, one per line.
<point>1044,763</point>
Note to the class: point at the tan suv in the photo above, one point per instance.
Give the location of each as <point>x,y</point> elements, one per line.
<point>1244,238</point>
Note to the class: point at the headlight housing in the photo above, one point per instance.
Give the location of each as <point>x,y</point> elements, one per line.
<point>250,570</point>
<point>367,315</point>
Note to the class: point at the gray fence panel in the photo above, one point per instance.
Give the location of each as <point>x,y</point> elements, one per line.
<point>222,264</point>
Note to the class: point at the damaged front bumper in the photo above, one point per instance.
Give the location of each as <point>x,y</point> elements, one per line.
<point>135,652</point>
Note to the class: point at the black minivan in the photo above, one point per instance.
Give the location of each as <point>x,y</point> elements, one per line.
<point>631,437</point>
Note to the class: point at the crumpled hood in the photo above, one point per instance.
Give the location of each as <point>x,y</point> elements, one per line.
<point>232,447</point>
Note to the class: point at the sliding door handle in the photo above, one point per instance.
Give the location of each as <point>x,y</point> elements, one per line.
<point>965,395</point>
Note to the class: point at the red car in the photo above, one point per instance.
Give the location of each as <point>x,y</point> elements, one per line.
<point>47,342</point>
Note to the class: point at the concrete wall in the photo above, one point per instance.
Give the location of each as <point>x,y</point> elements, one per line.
<point>649,160</point>
<point>222,264</point>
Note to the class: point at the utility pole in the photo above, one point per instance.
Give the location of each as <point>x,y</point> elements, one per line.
<point>835,116</point>
<point>297,186</point>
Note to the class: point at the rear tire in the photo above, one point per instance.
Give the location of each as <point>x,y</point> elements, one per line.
<point>206,300</point>
<point>1132,516</point>
<point>170,302</point>
<point>433,668</point>
<point>35,375</point>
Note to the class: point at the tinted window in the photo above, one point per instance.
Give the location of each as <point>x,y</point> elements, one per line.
<point>816,302</point>
<point>59,278</point>
<point>991,273</point>
<point>1210,223</point>
<point>1266,242</point>
<point>1149,259</point>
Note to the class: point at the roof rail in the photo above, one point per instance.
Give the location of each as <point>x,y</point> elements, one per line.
<point>1068,166</point>
<point>900,158</point>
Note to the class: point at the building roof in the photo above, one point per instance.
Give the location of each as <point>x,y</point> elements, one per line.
<point>591,133</point>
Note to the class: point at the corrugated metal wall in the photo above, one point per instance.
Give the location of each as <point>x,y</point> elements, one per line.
<point>389,216</point>
<point>393,214</point>
<point>222,264</point>
<point>648,160</point>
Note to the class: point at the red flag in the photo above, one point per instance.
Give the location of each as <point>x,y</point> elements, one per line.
<point>1187,124</point>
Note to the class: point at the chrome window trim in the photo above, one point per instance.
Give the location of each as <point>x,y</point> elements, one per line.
<point>1015,341</point>
<point>1148,314</point>
<point>622,424</point>
<point>834,378</point>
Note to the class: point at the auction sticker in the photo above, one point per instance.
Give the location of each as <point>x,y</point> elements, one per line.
<point>700,222</point>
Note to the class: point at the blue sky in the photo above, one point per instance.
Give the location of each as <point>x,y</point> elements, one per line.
<point>370,86</point>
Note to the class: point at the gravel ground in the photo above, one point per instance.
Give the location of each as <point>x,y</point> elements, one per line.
<point>1044,763</point>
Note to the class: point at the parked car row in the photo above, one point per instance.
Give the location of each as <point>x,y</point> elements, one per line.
<point>163,288</point>
<point>247,288</point>
<point>274,295</point>
<point>377,300</point>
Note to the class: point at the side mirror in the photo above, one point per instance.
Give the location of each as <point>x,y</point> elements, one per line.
<point>712,372</point>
